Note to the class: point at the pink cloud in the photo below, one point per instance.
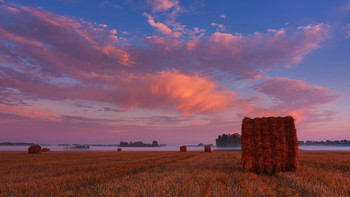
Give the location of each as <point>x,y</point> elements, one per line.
<point>162,5</point>
<point>295,98</point>
<point>222,16</point>
<point>290,91</point>
<point>347,31</point>
<point>162,28</point>
<point>61,42</point>
<point>242,57</point>
<point>173,90</point>
<point>219,26</point>
<point>189,94</point>
<point>30,113</point>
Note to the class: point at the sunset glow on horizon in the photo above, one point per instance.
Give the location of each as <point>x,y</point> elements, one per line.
<point>179,72</point>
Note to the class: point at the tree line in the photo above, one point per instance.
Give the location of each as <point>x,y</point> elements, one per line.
<point>234,140</point>
<point>327,142</point>
<point>138,144</point>
<point>228,140</point>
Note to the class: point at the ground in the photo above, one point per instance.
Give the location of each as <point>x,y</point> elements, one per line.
<point>167,174</point>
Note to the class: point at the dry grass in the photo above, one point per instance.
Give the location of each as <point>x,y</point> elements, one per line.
<point>167,174</point>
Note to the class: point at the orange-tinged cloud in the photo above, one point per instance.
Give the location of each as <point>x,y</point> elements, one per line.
<point>30,113</point>
<point>161,27</point>
<point>162,5</point>
<point>187,93</point>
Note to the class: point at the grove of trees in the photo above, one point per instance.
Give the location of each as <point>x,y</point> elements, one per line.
<point>228,140</point>
<point>327,143</point>
<point>138,144</point>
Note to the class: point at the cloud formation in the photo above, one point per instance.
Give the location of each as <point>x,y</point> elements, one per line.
<point>295,98</point>
<point>236,55</point>
<point>295,92</point>
<point>220,27</point>
<point>161,27</point>
<point>190,94</point>
<point>222,16</point>
<point>162,5</point>
<point>29,113</point>
<point>63,58</point>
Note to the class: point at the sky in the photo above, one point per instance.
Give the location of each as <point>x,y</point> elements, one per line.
<point>176,71</point>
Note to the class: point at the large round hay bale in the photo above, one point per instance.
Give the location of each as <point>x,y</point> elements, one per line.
<point>269,145</point>
<point>119,149</point>
<point>35,149</point>
<point>183,149</point>
<point>207,149</point>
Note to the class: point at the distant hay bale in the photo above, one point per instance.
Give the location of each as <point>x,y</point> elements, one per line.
<point>35,149</point>
<point>119,149</point>
<point>207,149</point>
<point>183,149</point>
<point>269,145</point>
<point>45,150</point>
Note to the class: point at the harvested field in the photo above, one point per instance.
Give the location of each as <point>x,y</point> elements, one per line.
<point>167,174</point>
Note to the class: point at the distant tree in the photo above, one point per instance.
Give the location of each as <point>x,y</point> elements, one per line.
<point>227,140</point>
<point>137,144</point>
<point>154,143</point>
<point>123,144</point>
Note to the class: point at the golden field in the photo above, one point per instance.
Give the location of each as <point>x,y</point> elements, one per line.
<point>167,174</point>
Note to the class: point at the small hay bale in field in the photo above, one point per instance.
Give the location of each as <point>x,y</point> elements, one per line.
<point>119,149</point>
<point>269,145</point>
<point>35,149</point>
<point>45,150</point>
<point>183,149</point>
<point>207,149</point>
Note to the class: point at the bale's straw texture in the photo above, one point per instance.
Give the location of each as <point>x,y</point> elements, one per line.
<point>35,149</point>
<point>119,149</point>
<point>292,141</point>
<point>269,145</point>
<point>45,150</point>
<point>246,143</point>
<point>183,149</point>
<point>207,149</point>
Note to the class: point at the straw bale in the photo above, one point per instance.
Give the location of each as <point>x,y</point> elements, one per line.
<point>183,149</point>
<point>269,145</point>
<point>207,149</point>
<point>35,149</point>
